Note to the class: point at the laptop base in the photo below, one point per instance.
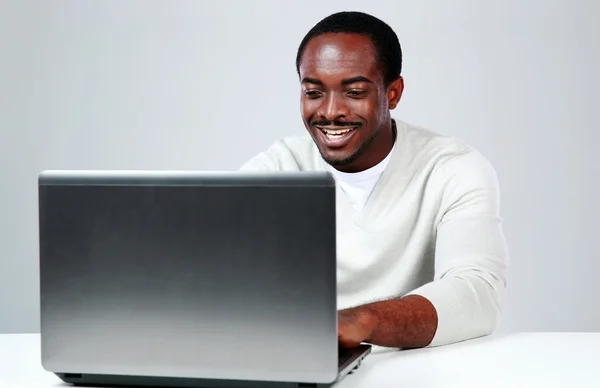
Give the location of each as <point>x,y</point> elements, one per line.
<point>90,380</point>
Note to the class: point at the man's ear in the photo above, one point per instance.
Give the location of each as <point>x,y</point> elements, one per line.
<point>394,92</point>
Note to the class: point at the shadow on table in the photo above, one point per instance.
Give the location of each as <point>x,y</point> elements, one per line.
<point>463,344</point>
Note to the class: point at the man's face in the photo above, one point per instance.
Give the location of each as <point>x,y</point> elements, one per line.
<point>344,101</point>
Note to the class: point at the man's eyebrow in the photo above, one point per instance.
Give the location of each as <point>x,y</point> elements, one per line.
<point>308,80</point>
<point>355,80</point>
<point>347,81</point>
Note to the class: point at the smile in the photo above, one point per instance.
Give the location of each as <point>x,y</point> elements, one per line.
<point>336,132</point>
<point>337,137</point>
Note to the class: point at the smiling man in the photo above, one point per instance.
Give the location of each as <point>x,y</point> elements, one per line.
<point>422,258</point>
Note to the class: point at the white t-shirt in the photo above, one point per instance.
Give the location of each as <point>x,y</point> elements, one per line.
<point>358,185</point>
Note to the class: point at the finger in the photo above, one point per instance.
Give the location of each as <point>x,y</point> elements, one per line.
<point>347,342</point>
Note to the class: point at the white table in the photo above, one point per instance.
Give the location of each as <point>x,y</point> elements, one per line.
<point>516,360</point>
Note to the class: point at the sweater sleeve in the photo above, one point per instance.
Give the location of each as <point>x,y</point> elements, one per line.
<point>278,157</point>
<point>471,255</point>
<point>263,162</point>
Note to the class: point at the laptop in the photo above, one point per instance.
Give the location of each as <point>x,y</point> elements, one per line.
<point>190,279</point>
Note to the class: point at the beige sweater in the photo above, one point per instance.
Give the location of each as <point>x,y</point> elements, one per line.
<point>431,226</point>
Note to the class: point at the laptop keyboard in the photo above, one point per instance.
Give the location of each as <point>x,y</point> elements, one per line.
<point>343,356</point>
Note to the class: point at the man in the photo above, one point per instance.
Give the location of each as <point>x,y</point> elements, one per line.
<point>422,257</point>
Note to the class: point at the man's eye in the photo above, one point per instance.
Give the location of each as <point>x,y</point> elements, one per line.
<point>312,94</point>
<point>356,93</point>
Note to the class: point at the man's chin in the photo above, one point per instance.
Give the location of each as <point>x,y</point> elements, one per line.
<point>341,159</point>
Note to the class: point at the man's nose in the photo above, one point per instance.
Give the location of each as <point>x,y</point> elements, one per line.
<point>333,107</point>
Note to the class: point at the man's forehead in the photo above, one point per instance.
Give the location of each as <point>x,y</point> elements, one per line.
<point>339,54</point>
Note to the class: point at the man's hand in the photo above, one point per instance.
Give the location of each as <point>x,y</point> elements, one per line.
<point>355,326</point>
<point>409,322</point>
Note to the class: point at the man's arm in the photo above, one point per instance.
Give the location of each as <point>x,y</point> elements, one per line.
<point>409,322</point>
<point>465,298</point>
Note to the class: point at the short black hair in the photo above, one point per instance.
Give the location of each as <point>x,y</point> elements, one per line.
<point>385,40</point>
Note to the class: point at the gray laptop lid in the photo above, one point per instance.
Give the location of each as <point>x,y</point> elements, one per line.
<point>186,274</point>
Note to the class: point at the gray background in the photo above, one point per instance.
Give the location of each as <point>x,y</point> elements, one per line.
<point>207,84</point>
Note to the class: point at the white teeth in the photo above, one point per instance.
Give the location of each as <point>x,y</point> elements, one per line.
<point>337,132</point>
